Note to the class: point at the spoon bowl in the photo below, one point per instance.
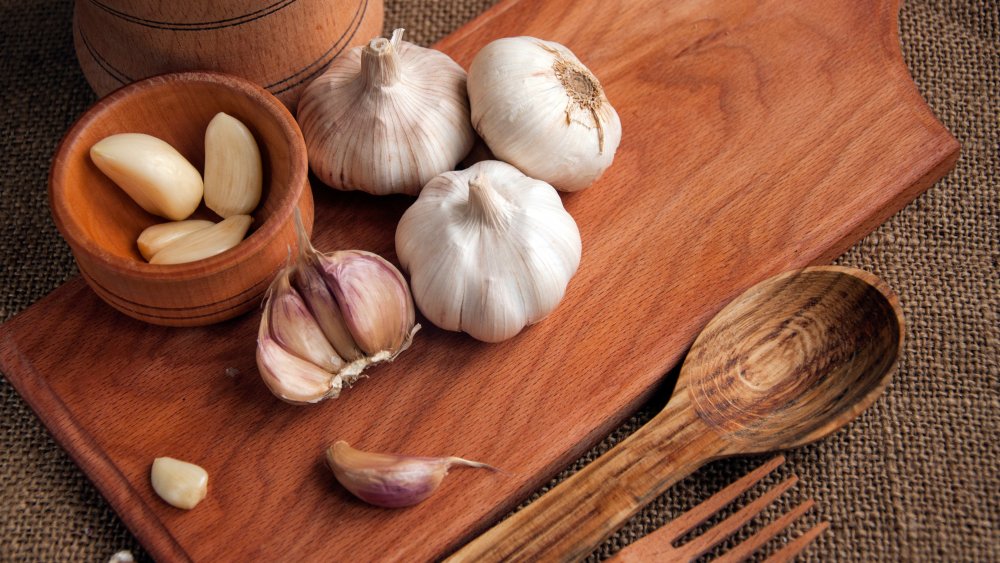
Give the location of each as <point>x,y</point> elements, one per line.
<point>795,358</point>
<point>791,360</point>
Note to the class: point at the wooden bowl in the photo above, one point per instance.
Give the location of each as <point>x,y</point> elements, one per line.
<point>101,222</point>
<point>279,44</point>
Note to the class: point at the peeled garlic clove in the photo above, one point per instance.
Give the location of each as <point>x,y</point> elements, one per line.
<point>386,117</point>
<point>180,483</point>
<point>374,300</point>
<point>294,328</point>
<point>308,281</point>
<point>155,238</point>
<point>539,108</point>
<point>204,243</point>
<point>233,174</point>
<point>390,480</point>
<point>151,172</point>
<point>489,250</point>
<point>289,377</point>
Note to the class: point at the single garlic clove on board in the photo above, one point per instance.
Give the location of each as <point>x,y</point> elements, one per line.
<point>389,480</point>
<point>386,117</point>
<point>489,250</point>
<point>233,173</point>
<point>180,483</point>
<point>151,172</point>
<point>204,243</point>
<point>156,238</point>
<point>539,108</point>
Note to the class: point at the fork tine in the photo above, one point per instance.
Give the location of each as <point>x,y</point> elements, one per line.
<point>698,546</point>
<point>756,541</point>
<point>692,518</point>
<point>797,545</point>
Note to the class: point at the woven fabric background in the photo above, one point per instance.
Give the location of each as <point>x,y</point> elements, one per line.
<point>916,478</point>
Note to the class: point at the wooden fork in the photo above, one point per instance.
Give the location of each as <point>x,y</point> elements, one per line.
<point>658,546</point>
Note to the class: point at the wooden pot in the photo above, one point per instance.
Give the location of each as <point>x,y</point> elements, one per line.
<point>279,44</point>
<point>101,223</point>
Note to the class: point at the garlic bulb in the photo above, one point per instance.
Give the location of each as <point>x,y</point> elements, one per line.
<point>489,250</point>
<point>151,172</point>
<point>540,109</point>
<point>390,480</point>
<point>327,318</point>
<point>386,118</point>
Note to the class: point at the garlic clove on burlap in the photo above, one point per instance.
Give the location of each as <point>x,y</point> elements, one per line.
<point>386,117</point>
<point>488,249</point>
<point>539,108</point>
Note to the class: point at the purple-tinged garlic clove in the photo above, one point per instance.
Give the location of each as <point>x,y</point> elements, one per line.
<point>390,480</point>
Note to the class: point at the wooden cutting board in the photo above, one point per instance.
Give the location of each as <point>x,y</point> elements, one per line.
<point>759,136</point>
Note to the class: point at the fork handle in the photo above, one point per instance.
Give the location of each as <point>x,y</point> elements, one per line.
<point>568,522</point>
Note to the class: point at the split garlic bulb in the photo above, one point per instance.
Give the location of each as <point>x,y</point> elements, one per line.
<point>489,250</point>
<point>538,108</point>
<point>327,318</point>
<point>386,118</point>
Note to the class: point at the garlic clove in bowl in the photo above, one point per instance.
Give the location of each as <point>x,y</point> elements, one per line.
<point>157,237</point>
<point>539,108</point>
<point>151,172</point>
<point>489,250</point>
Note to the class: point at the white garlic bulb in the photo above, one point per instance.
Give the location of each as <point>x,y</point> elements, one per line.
<point>489,250</point>
<point>386,118</point>
<point>538,108</point>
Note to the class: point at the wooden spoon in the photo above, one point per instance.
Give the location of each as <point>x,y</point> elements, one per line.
<point>790,361</point>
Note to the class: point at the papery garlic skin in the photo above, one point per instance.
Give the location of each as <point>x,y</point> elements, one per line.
<point>233,170</point>
<point>151,172</point>
<point>488,249</point>
<point>539,108</point>
<point>390,480</point>
<point>155,238</point>
<point>386,118</point>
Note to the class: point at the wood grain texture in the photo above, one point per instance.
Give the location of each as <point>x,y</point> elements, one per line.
<point>758,137</point>
<point>101,222</point>
<point>789,361</point>
<point>279,44</point>
<point>659,544</point>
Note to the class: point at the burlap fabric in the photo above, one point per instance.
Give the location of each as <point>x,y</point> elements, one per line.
<point>915,478</point>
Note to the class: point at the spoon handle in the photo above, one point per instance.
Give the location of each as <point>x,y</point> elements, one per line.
<point>570,521</point>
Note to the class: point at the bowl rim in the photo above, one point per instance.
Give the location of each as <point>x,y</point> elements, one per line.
<point>139,269</point>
